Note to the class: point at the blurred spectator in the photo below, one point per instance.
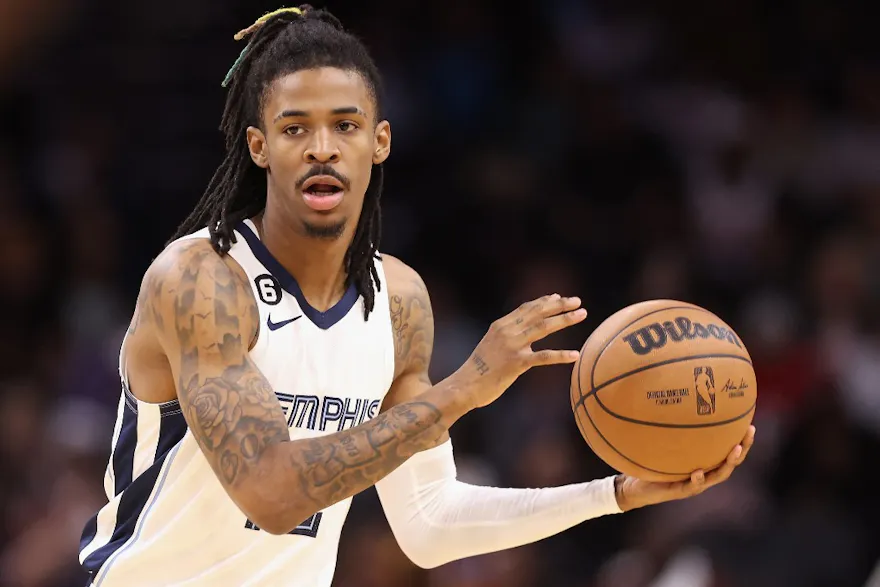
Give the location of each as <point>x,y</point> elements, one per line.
<point>724,154</point>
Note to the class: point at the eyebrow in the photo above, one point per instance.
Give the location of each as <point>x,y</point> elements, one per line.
<point>349,110</point>
<point>291,114</point>
<point>335,111</point>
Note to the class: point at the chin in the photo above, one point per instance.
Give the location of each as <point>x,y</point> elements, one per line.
<point>327,230</point>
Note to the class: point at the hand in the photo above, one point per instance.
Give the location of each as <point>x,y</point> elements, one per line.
<point>634,493</point>
<point>506,352</point>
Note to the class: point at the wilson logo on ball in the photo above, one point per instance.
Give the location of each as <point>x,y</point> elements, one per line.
<point>656,336</point>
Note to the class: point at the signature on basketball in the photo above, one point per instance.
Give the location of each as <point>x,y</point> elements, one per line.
<point>655,336</point>
<point>734,389</point>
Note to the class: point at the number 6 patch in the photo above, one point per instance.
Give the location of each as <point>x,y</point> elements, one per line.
<point>268,289</point>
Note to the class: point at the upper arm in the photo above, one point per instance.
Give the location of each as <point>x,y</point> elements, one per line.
<point>412,324</point>
<point>203,311</point>
<point>205,316</point>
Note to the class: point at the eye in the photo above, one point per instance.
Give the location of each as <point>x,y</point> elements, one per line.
<point>294,130</point>
<point>346,126</point>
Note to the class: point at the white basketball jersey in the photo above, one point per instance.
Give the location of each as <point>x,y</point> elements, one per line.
<point>168,520</point>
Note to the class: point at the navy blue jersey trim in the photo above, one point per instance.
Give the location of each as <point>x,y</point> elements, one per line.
<point>172,429</point>
<point>89,532</point>
<point>123,453</point>
<point>322,320</point>
<point>135,492</point>
<point>131,504</point>
<point>130,400</point>
<point>166,408</point>
<point>171,408</point>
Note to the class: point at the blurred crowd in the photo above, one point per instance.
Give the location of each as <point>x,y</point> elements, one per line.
<point>723,153</point>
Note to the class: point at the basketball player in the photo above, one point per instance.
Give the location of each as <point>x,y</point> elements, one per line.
<point>276,365</point>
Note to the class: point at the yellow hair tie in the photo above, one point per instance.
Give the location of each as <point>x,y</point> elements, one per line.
<point>245,32</point>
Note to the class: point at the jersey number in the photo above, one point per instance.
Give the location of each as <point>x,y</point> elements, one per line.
<point>307,528</point>
<point>268,289</point>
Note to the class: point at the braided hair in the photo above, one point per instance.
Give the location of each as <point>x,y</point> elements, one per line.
<point>283,42</point>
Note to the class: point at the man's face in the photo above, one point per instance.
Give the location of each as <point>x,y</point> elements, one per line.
<point>319,142</point>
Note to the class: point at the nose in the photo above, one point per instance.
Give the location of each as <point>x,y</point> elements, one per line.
<point>322,148</point>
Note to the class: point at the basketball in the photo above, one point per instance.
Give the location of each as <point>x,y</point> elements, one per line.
<point>663,388</point>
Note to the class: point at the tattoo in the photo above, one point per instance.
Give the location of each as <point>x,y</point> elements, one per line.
<point>234,414</point>
<point>334,467</point>
<point>482,367</point>
<point>412,321</point>
<point>398,324</point>
<point>138,316</point>
<point>229,406</point>
<point>145,310</point>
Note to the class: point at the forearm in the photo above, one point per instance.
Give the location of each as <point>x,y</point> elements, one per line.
<point>306,476</point>
<point>203,315</point>
<point>438,519</point>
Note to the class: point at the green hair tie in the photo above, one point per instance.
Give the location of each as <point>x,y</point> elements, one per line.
<point>235,66</point>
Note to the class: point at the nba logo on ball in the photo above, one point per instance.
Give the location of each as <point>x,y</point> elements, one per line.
<point>704,379</point>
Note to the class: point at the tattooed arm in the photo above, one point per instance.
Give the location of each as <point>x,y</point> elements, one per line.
<point>205,317</point>
<point>502,356</point>
<point>435,517</point>
<point>412,325</point>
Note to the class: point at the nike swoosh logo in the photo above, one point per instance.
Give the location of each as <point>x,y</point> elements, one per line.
<point>277,325</point>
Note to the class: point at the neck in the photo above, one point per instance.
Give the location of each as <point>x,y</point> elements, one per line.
<point>317,265</point>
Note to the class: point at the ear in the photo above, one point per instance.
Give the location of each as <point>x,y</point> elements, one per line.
<point>258,146</point>
<point>382,142</point>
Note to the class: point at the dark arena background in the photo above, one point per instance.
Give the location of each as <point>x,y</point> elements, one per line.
<point>724,153</point>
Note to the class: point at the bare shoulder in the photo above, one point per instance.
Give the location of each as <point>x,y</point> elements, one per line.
<point>183,258</point>
<point>190,278</point>
<point>412,318</point>
<point>399,274</point>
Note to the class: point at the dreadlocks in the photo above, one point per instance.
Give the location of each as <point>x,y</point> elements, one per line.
<point>283,42</point>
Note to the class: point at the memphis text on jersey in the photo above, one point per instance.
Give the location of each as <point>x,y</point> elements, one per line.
<point>328,413</point>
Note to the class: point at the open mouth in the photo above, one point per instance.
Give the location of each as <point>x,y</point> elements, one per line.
<point>322,189</point>
<point>323,193</point>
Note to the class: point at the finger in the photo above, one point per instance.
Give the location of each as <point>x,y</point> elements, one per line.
<point>526,309</point>
<point>548,357</point>
<point>548,326</point>
<point>723,472</point>
<point>545,307</point>
<point>747,443</point>
<point>557,305</point>
<point>696,484</point>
